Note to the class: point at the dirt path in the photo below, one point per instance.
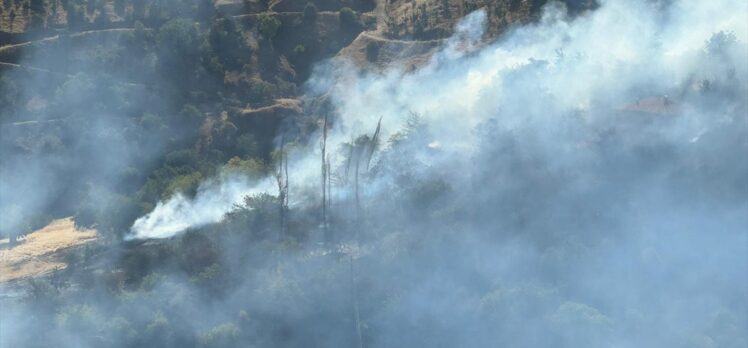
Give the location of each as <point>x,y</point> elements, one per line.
<point>71,35</point>
<point>373,35</point>
<point>17,66</point>
<point>40,252</point>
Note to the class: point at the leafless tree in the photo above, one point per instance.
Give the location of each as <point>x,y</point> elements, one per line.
<point>329,187</point>
<point>373,144</point>
<point>281,178</point>
<point>361,150</point>
<point>12,18</point>
<point>354,298</point>
<point>325,173</point>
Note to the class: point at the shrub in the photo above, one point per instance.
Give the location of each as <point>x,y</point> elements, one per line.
<point>178,52</point>
<point>224,335</point>
<point>370,22</point>
<point>372,51</point>
<point>252,167</point>
<point>299,49</point>
<point>178,37</point>
<point>246,145</point>
<point>185,157</point>
<point>261,90</point>
<point>186,184</point>
<point>191,114</point>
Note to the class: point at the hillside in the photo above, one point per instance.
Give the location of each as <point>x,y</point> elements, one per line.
<point>181,68</point>
<point>373,173</point>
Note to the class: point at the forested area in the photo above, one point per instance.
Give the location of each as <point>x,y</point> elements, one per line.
<point>133,116</point>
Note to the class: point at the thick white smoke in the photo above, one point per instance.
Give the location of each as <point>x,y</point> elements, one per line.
<point>213,199</point>
<point>560,81</point>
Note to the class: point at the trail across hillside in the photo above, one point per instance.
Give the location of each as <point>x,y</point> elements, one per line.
<point>56,37</point>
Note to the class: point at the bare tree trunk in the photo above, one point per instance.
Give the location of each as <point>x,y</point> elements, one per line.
<point>285,187</point>
<point>358,199</point>
<point>329,187</point>
<point>286,195</point>
<point>282,189</point>
<point>348,161</point>
<point>360,150</point>
<point>323,147</point>
<point>373,143</point>
<point>356,315</point>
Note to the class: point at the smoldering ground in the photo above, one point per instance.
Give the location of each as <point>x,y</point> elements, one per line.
<point>579,182</point>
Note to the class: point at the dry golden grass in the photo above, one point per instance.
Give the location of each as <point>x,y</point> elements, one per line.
<point>283,103</point>
<point>40,252</point>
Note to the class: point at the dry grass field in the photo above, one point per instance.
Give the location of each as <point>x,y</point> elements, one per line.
<point>40,252</point>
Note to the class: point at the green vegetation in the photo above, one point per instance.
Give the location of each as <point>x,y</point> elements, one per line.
<point>348,18</point>
<point>310,12</point>
<point>268,25</point>
<point>183,74</point>
<point>372,51</point>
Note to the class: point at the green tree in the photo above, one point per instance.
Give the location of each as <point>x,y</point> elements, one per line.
<point>268,25</point>
<point>310,12</point>
<point>205,9</point>
<point>119,7</point>
<point>138,9</point>
<point>299,49</point>
<point>37,15</point>
<point>720,42</point>
<point>38,6</point>
<point>76,17</point>
<point>348,18</point>
<point>178,49</point>
<point>226,43</point>
<point>9,94</point>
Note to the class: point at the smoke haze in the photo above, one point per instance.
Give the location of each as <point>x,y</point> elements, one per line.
<point>577,182</point>
<point>559,83</point>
